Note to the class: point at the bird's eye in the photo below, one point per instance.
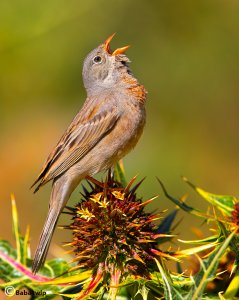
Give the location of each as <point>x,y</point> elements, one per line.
<point>97,59</point>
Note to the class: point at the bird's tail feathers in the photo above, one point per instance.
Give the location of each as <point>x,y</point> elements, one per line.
<point>45,239</point>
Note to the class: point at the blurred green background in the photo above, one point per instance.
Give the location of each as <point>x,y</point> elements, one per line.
<point>186,53</point>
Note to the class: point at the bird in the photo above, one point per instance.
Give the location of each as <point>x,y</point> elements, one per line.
<point>106,128</point>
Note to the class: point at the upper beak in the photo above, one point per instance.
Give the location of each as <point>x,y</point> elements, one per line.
<point>117,51</point>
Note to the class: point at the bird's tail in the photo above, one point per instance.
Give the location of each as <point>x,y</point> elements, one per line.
<point>45,239</point>
<point>61,191</point>
<point>59,196</point>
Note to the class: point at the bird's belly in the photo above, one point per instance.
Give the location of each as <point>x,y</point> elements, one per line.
<point>113,146</point>
<point>121,140</point>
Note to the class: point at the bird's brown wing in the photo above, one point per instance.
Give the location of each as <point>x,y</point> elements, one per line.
<point>78,140</point>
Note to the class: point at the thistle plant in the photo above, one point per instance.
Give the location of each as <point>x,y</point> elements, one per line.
<point>114,236</point>
<point>117,249</point>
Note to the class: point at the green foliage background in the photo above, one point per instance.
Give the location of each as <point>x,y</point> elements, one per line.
<point>184,52</point>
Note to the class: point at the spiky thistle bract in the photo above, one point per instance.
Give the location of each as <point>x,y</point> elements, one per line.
<point>114,236</point>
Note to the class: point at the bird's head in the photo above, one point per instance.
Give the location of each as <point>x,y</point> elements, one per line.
<point>103,67</point>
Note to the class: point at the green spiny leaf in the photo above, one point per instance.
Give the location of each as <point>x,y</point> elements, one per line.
<point>224,203</point>
<point>180,203</point>
<point>170,292</point>
<point>233,243</point>
<point>210,239</point>
<point>233,287</point>
<point>208,270</point>
<point>55,267</point>
<point>194,250</point>
<point>26,249</point>
<point>7,272</point>
<point>16,228</point>
<point>119,173</point>
<point>166,225</point>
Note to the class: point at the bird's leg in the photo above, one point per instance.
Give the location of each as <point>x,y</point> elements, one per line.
<point>110,175</point>
<point>95,181</point>
<point>104,185</point>
<point>100,184</point>
<point>111,180</point>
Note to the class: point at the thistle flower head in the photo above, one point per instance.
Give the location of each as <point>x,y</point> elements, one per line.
<point>111,226</point>
<point>112,233</point>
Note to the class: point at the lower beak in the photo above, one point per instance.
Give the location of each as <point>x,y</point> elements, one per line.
<point>120,50</point>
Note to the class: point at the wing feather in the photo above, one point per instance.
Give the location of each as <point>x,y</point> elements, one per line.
<point>78,140</point>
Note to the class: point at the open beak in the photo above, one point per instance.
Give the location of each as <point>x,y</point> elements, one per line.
<point>117,51</point>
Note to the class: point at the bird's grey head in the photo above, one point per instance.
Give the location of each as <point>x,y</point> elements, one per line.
<point>104,68</point>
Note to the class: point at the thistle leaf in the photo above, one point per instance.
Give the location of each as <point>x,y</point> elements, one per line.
<point>16,230</point>
<point>180,203</point>
<point>80,277</point>
<point>210,239</point>
<point>224,203</point>
<point>194,250</point>
<point>119,174</point>
<point>208,270</point>
<point>170,292</point>
<point>232,288</point>
<point>166,225</point>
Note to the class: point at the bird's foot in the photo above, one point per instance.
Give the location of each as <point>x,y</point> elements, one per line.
<point>95,181</point>
<point>103,185</point>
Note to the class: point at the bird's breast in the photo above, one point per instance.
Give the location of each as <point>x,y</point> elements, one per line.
<point>128,129</point>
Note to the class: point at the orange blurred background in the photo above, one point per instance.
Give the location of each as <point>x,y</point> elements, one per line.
<point>186,53</point>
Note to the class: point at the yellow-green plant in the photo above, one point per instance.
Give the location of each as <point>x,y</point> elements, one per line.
<point>116,250</point>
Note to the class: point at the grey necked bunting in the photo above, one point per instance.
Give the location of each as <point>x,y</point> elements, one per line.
<point>106,128</point>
